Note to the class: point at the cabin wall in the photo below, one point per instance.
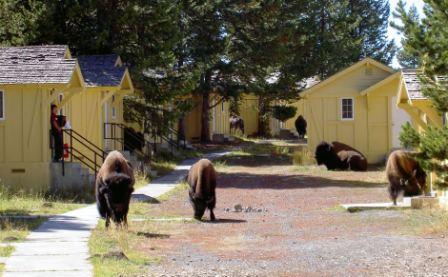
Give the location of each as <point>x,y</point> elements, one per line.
<point>248,108</point>
<point>24,138</point>
<point>369,131</point>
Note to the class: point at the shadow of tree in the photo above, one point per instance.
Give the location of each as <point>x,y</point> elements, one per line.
<point>153,235</point>
<point>285,182</point>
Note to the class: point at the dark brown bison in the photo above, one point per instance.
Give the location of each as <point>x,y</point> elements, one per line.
<point>301,126</point>
<point>236,123</point>
<point>405,175</point>
<point>340,156</point>
<point>202,181</point>
<point>113,188</point>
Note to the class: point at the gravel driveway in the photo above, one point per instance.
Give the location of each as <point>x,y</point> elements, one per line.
<point>297,228</point>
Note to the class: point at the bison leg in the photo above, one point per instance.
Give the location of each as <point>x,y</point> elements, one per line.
<point>212,215</point>
<point>107,221</point>
<point>393,193</point>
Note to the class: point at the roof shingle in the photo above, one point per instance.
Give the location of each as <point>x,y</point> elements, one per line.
<point>35,65</point>
<point>101,70</point>
<point>413,85</point>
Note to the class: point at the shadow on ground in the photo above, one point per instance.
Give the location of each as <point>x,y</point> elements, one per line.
<point>153,235</point>
<point>284,182</point>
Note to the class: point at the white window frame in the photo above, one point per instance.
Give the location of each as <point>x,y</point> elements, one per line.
<point>342,109</point>
<point>2,116</point>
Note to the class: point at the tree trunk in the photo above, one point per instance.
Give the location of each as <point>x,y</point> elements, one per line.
<point>205,117</point>
<point>263,118</point>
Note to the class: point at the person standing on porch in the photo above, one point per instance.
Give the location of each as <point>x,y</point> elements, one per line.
<point>56,133</point>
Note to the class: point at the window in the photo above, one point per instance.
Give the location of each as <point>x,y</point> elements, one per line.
<point>61,98</point>
<point>2,105</point>
<point>347,109</point>
<point>222,106</point>
<point>114,112</point>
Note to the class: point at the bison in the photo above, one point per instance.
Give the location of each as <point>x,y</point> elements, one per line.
<point>202,181</point>
<point>405,175</point>
<point>113,188</point>
<point>301,126</point>
<point>236,123</point>
<point>340,156</point>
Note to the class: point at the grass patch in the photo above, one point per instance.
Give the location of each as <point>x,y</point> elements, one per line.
<point>164,162</point>
<point>180,188</point>
<point>141,180</point>
<point>428,221</point>
<point>12,230</point>
<point>20,203</point>
<point>114,253</point>
<point>6,251</point>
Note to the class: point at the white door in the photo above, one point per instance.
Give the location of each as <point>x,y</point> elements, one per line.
<point>399,118</point>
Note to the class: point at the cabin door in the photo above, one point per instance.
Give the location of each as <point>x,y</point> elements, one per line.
<point>399,118</point>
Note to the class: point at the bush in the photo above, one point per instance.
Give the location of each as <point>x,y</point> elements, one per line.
<point>283,113</point>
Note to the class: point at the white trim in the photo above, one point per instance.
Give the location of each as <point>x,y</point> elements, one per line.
<point>353,108</point>
<point>2,116</point>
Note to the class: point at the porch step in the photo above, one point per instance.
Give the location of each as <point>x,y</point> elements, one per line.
<point>75,178</point>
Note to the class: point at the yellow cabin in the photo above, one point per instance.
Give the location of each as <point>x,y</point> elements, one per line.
<point>420,109</point>
<point>356,106</point>
<point>31,79</point>
<point>220,116</point>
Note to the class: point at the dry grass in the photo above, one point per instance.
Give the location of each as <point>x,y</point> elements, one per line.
<point>20,203</point>
<point>428,222</point>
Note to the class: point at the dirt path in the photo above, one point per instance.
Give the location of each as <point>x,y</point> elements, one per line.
<point>302,233</point>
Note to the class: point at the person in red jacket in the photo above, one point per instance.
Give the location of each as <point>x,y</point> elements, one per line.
<point>56,133</point>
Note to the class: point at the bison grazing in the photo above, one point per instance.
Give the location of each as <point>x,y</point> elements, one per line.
<point>405,175</point>
<point>301,126</point>
<point>340,156</point>
<point>236,123</point>
<point>202,182</point>
<point>113,188</point>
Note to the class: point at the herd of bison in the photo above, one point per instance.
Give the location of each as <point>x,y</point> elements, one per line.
<point>115,180</point>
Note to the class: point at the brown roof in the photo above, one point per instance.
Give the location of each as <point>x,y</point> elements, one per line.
<point>44,64</point>
<point>413,84</point>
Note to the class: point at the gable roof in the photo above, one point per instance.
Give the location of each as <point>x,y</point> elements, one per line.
<point>46,64</point>
<point>413,84</point>
<point>102,70</point>
<point>346,71</point>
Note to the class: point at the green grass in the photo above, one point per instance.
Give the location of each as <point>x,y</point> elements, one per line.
<point>25,204</point>
<point>116,253</point>
<point>180,188</point>
<point>6,251</point>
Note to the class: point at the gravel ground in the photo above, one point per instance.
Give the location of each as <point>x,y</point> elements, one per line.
<point>300,232</point>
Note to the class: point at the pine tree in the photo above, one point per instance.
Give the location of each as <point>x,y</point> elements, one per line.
<point>19,21</point>
<point>427,39</point>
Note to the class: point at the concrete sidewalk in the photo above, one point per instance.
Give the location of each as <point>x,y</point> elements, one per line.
<point>59,247</point>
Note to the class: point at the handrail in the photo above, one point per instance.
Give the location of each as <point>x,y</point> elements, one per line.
<point>98,154</point>
<point>86,140</point>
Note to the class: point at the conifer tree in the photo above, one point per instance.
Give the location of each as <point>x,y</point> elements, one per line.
<point>427,40</point>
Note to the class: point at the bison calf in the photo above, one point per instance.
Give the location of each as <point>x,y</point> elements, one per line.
<point>113,188</point>
<point>202,181</point>
<point>340,156</point>
<point>405,175</point>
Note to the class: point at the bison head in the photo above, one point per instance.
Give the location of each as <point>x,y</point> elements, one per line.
<point>414,184</point>
<point>117,190</point>
<point>325,155</point>
<point>199,205</point>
